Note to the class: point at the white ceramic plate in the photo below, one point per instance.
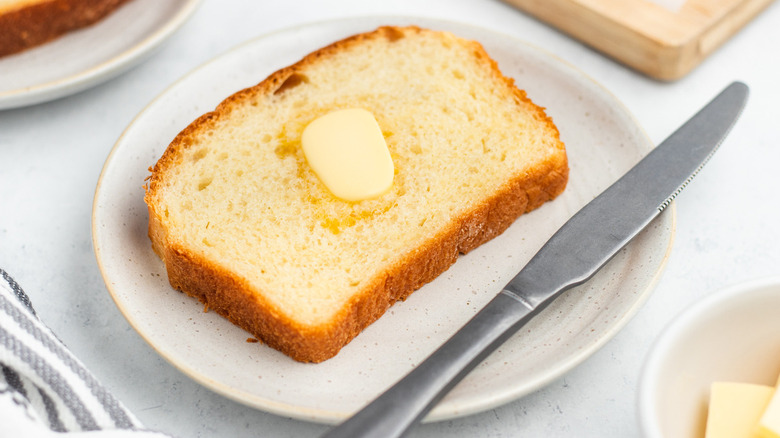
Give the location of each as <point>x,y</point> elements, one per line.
<point>603,141</point>
<point>86,57</point>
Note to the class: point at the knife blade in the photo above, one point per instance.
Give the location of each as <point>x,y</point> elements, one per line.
<point>573,255</point>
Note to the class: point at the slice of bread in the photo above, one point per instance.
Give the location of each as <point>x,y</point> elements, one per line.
<point>29,23</point>
<point>243,223</point>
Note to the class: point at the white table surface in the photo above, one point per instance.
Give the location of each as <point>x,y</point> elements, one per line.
<point>52,153</point>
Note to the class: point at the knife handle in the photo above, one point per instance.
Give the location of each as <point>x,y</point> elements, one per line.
<point>406,402</point>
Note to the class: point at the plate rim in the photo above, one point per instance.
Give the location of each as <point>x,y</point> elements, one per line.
<point>318,415</point>
<point>96,74</point>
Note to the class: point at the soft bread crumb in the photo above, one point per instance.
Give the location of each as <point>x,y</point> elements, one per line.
<point>243,223</point>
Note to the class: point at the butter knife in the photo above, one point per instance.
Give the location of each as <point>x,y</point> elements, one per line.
<point>572,256</point>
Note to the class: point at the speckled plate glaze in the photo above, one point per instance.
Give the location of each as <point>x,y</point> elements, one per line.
<point>603,141</point>
<point>87,57</point>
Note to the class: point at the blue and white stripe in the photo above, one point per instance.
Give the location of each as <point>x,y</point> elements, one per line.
<point>44,388</point>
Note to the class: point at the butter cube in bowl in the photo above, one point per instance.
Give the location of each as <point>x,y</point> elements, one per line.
<point>714,371</point>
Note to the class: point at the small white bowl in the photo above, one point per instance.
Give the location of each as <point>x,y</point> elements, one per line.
<point>732,335</point>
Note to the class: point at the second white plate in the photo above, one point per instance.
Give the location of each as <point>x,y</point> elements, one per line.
<point>86,57</point>
<point>603,141</point>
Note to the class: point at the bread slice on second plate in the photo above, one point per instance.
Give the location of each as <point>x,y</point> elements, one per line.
<point>29,23</point>
<point>243,223</point>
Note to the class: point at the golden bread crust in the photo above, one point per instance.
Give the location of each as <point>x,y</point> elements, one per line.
<point>235,299</point>
<point>39,22</point>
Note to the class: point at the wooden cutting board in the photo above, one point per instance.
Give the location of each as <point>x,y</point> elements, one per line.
<point>663,42</point>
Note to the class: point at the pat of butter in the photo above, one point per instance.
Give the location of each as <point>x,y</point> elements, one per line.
<point>769,424</point>
<point>347,151</point>
<point>735,409</point>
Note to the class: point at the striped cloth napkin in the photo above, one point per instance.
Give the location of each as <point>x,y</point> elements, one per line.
<point>44,389</point>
